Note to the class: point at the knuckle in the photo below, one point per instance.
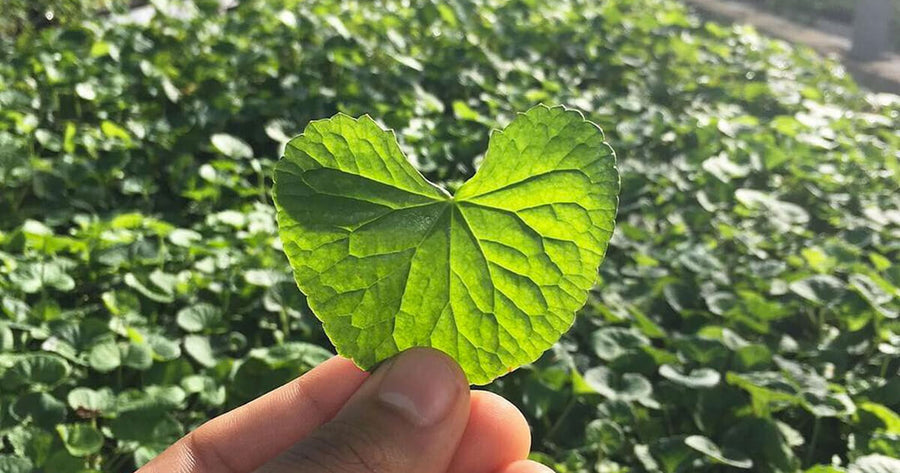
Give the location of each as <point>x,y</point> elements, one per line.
<point>199,456</point>
<point>299,395</point>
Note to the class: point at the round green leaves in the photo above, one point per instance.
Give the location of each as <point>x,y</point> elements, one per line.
<point>491,276</point>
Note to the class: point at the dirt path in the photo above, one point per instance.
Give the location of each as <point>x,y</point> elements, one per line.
<point>828,38</point>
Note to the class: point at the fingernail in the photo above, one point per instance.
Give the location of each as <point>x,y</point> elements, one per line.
<point>421,385</point>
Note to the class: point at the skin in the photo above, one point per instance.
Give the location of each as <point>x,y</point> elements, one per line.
<point>414,414</point>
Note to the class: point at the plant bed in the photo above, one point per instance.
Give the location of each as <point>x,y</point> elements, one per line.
<point>746,316</point>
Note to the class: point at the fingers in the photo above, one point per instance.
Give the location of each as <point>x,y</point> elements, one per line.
<point>496,435</point>
<point>526,466</point>
<point>248,436</point>
<point>493,435</point>
<point>408,417</point>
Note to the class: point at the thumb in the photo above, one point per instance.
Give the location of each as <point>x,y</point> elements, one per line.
<point>406,418</point>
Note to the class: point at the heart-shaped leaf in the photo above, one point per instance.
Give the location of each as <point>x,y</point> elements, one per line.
<point>39,371</point>
<point>91,402</point>
<point>199,317</point>
<point>80,439</point>
<point>491,276</point>
<point>612,342</point>
<point>620,387</point>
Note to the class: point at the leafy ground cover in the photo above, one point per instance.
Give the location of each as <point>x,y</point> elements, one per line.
<point>746,316</point>
<point>22,15</point>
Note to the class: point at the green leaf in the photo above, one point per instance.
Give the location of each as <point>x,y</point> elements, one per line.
<point>492,276</point>
<point>762,441</point>
<point>146,426</point>
<point>13,464</point>
<point>105,356</point>
<point>7,338</point>
<point>671,453</point>
<point>267,368</point>
<point>31,442</point>
<point>85,90</point>
<point>199,317</point>
<point>185,238</point>
<point>825,469</point>
<point>200,349</point>
<point>697,379</point>
<point>612,342</point>
<point>157,398</point>
<point>42,408</point>
<point>138,356</point>
<point>80,439</point>
<point>784,215</point>
<point>37,370</point>
<point>710,449</point>
<point>626,387</point>
<point>820,289</point>
<point>263,277</point>
<point>163,348</point>
<point>791,436</point>
<point>828,405</point>
<point>113,130</point>
<point>164,297</point>
<point>643,455</point>
<point>888,417</point>
<point>231,146</point>
<point>875,464</point>
<point>89,402</point>
<point>63,462</point>
<point>768,390</point>
<point>284,297</point>
<point>605,434</point>
<point>209,391</point>
<point>31,277</point>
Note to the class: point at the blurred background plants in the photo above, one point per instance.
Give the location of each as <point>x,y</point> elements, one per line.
<point>840,12</point>
<point>746,316</point>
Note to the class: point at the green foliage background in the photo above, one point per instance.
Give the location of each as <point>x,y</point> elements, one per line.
<point>747,309</point>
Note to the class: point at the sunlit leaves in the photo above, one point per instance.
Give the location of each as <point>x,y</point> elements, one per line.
<point>748,167</point>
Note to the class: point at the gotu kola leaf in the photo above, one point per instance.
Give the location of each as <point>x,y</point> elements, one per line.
<point>491,276</point>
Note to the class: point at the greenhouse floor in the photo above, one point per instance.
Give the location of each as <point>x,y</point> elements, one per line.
<point>828,38</point>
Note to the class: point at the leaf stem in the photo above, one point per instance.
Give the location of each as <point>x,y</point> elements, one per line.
<point>559,420</point>
<point>813,441</point>
<point>285,324</point>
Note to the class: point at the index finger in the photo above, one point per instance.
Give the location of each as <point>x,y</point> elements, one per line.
<point>243,439</point>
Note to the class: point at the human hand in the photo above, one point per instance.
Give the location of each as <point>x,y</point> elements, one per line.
<point>414,414</point>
